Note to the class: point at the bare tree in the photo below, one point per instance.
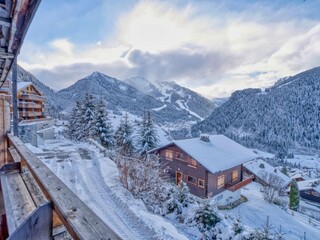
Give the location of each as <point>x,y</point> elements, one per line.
<point>273,186</point>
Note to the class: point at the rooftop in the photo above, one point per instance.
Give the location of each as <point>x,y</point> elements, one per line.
<point>310,184</point>
<point>262,169</point>
<point>217,154</point>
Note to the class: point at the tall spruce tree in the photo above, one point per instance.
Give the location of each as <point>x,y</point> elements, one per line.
<point>294,196</point>
<point>148,138</point>
<point>79,122</point>
<point>123,136</point>
<point>104,130</point>
<point>89,117</point>
<point>72,130</point>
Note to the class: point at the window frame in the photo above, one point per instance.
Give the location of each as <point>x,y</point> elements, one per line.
<point>165,154</point>
<point>236,179</point>
<point>201,180</point>
<point>224,181</point>
<point>195,180</point>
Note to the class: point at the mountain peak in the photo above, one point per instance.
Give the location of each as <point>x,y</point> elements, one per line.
<point>97,74</point>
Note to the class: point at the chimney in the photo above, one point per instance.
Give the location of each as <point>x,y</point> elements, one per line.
<point>204,138</point>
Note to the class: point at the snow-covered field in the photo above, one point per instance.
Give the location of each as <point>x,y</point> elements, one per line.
<point>255,211</point>
<point>94,178</point>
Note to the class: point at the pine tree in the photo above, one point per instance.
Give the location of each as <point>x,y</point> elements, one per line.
<point>148,138</point>
<point>294,196</point>
<point>206,218</point>
<point>89,117</point>
<point>72,130</point>
<point>79,122</point>
<point>123,136</point>
<point>103,126</point>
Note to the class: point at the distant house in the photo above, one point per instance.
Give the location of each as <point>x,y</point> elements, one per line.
<point>30,102</point>
<point>210,166</point>
<point>262,170</point>
<point>310,190</point>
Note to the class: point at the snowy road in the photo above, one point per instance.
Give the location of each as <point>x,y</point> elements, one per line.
<point>79,168</point>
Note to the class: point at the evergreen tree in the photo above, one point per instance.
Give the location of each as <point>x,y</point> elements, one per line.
<point>294,196</point>
<point>148,138</point>
<point>89,117</point>
<point>123,136</point>
<point>72,130</point>
<point>78,123</point>
<point>206,218</point>
<point>103,126</point>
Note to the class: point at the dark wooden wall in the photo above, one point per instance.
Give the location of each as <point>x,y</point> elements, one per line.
<point>200,171</point>
<point>182,166</point>
<point>212,180</point>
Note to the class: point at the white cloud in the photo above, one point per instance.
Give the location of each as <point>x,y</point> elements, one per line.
<point>212,54</point>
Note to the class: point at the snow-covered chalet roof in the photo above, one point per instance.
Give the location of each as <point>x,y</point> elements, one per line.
<point>21,85</point>
<point>263,172</point>
<point>219,154</point>
<point>310,184</point>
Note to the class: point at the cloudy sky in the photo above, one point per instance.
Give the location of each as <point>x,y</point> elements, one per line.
<point>211,46</point>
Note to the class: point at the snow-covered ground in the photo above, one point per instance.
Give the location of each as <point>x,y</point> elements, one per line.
<point>94,178</point>
<point>309,161</point>
<point>255,211</point>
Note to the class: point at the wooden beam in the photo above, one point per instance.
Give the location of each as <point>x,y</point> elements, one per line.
<point>80,221</point>
<point>17,200</point>
<point>14,155</point>
<point>37,226</point>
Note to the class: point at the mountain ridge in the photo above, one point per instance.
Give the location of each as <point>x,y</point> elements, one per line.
<point>281,118</point>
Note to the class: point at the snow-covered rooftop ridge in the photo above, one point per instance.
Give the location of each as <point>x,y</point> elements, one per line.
<point>262,170</point>
<point>21,85</point>
<point>310,184</point>
<point>219,154</point>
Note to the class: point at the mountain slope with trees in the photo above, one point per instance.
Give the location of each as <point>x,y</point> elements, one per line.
<point>281,118</point>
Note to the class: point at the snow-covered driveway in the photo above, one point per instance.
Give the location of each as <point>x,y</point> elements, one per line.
<point>254,213</point>
<point>79,167</point>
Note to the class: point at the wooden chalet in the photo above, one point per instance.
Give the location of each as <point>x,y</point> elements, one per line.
<point>31,102</point>
<point>310,190</point>
<point>209,165</point>
<point>34,202</point>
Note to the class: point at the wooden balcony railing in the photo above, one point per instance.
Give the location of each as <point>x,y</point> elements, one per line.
<point>239,185</point>
<point>34,97</point>
<point>78,219</point>
<point>26,105</point>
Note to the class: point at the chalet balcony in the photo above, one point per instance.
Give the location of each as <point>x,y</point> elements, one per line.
<point>27,114</point>
<point>38,204</point>
<point>239,185</point>
<point>34,97</point>
<point>26,105</point>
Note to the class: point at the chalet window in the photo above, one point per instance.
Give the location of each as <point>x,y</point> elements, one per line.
<point>220,182</point>
<point>193,162</point>
<point>234,175</point>
<point>180,155</point>
<point>201,183</point>
<point>169,154</point>
<point>192,180</point>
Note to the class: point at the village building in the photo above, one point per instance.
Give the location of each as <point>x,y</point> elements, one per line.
<point>310,190</point>
<point>211,166</point>
<point>31,102</point>
<point>264,173</point>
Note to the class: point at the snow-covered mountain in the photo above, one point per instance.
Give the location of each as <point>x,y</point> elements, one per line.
<point>284,116</point>
<point>171,93</point>
<point>173,107</point>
